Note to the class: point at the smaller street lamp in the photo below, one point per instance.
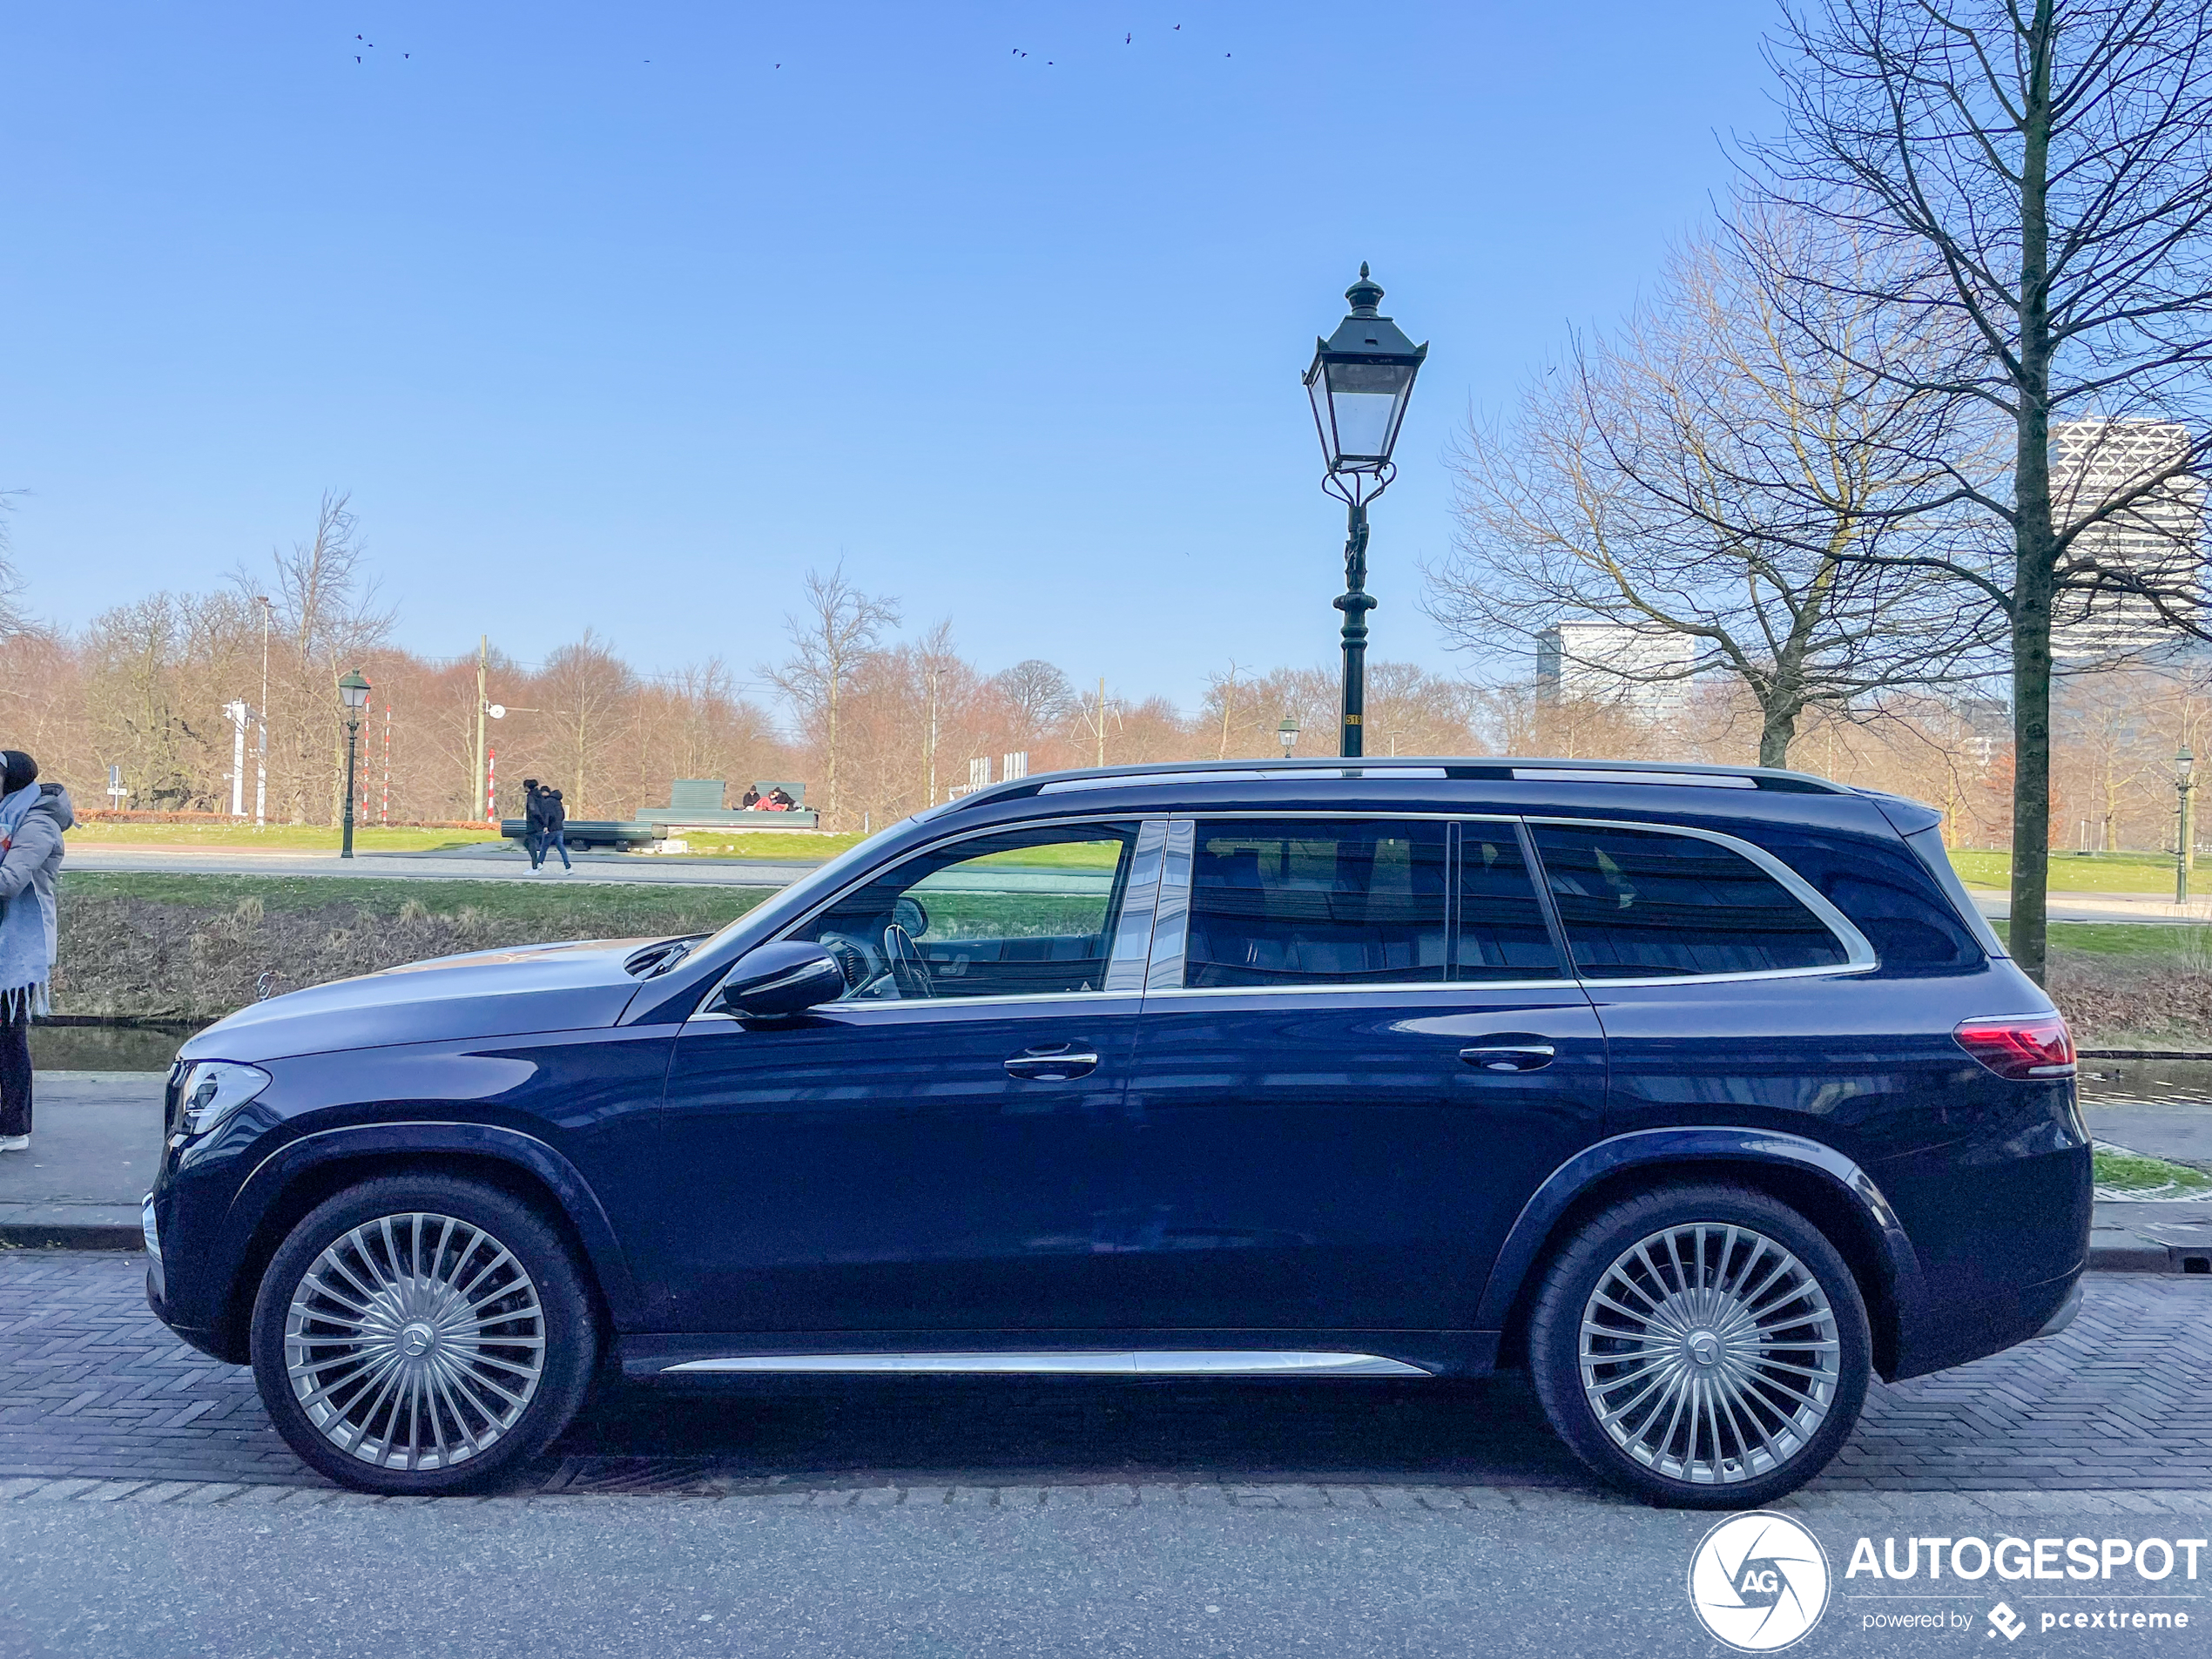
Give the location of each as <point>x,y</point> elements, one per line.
<point>353,690</point>
<point>1286,734</point>
<point>2184,783</point>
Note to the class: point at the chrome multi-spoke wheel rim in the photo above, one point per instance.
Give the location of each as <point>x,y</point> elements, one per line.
<point>1710,1353</point>
<point>415,1341</point>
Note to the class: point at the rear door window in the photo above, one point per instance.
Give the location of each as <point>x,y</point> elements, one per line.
<point>1646,904</point>
<point>1296,901</point>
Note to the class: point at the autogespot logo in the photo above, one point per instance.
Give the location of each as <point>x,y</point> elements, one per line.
<point>1758,1581</point>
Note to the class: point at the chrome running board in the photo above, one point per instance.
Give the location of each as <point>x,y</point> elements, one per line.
<point>1148,1363</point>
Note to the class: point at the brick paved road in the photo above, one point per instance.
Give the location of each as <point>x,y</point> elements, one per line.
<point>92,1387</point>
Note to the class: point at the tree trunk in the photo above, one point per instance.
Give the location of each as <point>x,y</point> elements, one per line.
<point>2034,536</point>
<point>1777,730</point>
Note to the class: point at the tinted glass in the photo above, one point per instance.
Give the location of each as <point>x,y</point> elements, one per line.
<point>1639,904</point>
<point>1501,933</point>
<point>1304,902</point>
<point>1024,913</point>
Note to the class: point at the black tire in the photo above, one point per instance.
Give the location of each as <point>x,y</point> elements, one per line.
<point>1790,1425</point>
<point>459,1356</point>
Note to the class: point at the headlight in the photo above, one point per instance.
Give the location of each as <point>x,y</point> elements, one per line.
<point>212,1090</point>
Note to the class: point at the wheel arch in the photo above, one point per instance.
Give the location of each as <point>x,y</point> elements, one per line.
<point>1828,1189</point>
<point>294,1180</point>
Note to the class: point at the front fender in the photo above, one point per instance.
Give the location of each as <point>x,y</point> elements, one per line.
<point>260,1190</point>
<point>1656,1147</point>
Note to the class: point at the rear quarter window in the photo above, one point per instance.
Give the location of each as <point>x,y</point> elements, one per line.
<point>1644,904</point>
<point>1887,893</point>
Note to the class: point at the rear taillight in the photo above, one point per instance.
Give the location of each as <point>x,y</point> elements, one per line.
<point>2025,1046</point>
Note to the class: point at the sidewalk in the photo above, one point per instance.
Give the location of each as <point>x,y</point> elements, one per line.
<point>99,1132</point>
<point>1997,906</point>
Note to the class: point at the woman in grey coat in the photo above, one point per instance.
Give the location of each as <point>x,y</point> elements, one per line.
<point>32,817</point>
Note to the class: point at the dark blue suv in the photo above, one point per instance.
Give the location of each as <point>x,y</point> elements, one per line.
<point>1701,1093</point>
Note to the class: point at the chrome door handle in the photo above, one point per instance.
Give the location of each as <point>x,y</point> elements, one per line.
<point>1064,1065</point>
<point>1509,1056</point>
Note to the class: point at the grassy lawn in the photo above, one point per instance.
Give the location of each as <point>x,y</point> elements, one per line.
<point>795,845</point>
<point>2182,945</point>
<point>2081,872</point>
<point>287,838</point>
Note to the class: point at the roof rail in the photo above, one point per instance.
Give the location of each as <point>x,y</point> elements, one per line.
<point>1409,767</point>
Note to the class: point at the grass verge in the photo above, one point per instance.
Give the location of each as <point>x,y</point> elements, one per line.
<point>2079,872</point>
<point>2122,1174</point>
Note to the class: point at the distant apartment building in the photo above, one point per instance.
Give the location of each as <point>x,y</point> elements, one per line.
<point>1644,672</point>
<point>2160,537</point>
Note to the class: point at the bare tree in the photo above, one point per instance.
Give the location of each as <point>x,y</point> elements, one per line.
<point>327,621</point>
<point>585,693</point>
<point>840,627</point>
<point>2041,170</point>
<point>1711,477</point>
<point>1038,697</point>
<point>13,619</point>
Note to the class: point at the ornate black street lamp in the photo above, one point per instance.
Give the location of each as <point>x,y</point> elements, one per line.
<point>354,690</point>
<point>1286,734</point>
<point>1361,378</point>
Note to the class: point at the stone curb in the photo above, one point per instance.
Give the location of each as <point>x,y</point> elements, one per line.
<point>70,1226</point>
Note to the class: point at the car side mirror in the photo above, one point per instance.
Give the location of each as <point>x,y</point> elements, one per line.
<point>788,976</point>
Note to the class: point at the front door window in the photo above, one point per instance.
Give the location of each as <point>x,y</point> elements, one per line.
<point>1030,913</point>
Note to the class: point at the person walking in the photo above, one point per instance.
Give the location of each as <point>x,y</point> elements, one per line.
<point>32,817</point>
<point>556,819</point>
<point>533,821</point>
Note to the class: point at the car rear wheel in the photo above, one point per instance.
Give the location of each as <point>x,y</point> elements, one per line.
<point>1702,1346</point>
<point>421,1335</point>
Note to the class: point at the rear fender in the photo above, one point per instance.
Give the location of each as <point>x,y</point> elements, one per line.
<point>1654,1149</point>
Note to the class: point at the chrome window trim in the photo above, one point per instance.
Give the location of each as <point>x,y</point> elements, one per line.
<point>1859,953</point>
<point>908,1005</point>
<point>1397,989</point>
<point>1166,974</point>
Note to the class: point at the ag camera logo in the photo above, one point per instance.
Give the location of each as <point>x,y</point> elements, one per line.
<point>1758,1581</point>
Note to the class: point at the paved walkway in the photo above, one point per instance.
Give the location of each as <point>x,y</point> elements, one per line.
<point>93,1387</point>
<point>1996,905</point>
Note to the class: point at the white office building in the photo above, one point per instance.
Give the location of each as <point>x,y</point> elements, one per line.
<point>1644,672</point>
<point>2160,537</point>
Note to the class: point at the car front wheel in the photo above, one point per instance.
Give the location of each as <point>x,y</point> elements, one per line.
<point>1703,1347</point>
<point>421,1335</point>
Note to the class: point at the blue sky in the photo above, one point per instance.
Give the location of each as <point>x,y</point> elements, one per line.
<point>623,316</point>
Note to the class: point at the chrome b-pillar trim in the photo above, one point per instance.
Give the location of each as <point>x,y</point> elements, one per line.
<point>1171,919</point>
<point>1133,934</point>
